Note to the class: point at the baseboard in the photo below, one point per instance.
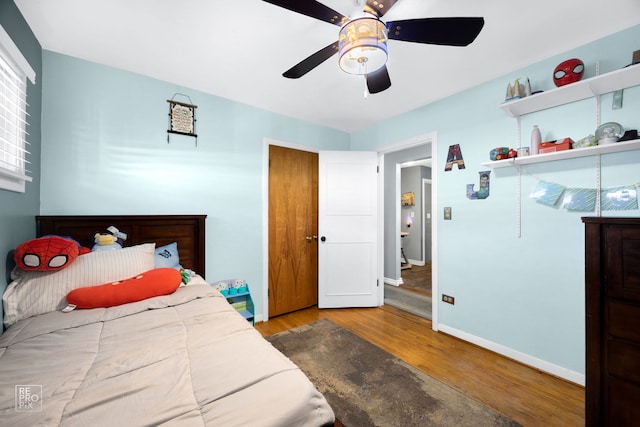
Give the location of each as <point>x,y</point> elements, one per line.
<point>416,262</point>
<point>550,368</point>
<point>393,282</point>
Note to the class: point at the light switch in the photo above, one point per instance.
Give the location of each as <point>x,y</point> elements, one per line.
<point>447,213</point>
<point>617,100</point>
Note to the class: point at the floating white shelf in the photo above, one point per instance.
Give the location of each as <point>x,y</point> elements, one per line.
<point>583,89</point>
<point>566,154</point>
<point>599,85</point>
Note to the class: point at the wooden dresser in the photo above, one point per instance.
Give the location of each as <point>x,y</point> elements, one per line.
<point>612,273</point>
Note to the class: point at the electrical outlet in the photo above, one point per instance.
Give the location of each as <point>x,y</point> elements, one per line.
<point>448,299</point>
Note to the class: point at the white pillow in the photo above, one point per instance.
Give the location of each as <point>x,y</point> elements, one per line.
<point>37,292</point>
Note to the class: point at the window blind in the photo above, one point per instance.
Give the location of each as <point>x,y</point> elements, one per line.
<point>13,116</point>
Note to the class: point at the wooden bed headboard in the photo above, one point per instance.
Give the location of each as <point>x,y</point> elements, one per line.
<point>186,230</point>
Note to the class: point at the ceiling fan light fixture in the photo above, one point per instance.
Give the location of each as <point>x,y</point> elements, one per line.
<point>362,46</point>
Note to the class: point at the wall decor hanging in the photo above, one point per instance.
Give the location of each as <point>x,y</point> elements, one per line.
<point>619,198</point>
<point>547,193</point>
<point>580,199</point>
<point>408,199</point>
<point>623,198</point>
<point>454,157</point>
<point>483,191</point>
<point>182,118</point>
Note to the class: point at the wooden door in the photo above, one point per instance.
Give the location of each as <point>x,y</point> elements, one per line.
<point>293,230</point>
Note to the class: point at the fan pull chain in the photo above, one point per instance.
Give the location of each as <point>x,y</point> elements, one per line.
<point>364,77</point>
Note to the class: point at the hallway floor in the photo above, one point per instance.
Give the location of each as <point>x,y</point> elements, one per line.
<point>409,300</point>
<point>414,295</point>
<point>417,278</point>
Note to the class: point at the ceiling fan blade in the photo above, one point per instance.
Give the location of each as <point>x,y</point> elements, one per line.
<point>442,31</point>
<point>379,7</point>
<point>378,80</point>
<point>312,8</point>
<point>311,62</point>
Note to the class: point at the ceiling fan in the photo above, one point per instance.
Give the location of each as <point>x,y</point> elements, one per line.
<point>362,42</point>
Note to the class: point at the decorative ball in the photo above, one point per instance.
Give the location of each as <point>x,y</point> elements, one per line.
<point>569,71</point>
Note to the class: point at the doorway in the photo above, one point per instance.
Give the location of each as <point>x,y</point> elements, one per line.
<point>388,190</point>
<point>336,191</point>
<point>420,147</point>
<point>413,291</point>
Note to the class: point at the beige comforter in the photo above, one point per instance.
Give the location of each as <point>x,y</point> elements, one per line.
<point>184,359</point>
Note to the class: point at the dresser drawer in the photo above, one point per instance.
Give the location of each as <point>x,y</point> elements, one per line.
<point>623,320</point>
<point>622,409</point>
<point>623,360</point>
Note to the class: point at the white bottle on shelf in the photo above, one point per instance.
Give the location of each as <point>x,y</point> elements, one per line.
<point>536,139</point>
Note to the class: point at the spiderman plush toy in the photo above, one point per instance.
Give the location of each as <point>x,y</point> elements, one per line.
<point>47,253</point>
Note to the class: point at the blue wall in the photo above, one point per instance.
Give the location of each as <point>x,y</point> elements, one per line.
<point>525,294</point>
<point>105,151</point>
<point>18,210</point>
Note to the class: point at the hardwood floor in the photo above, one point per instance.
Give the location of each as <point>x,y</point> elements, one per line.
<point>417,278</point>
<point>531,397</point>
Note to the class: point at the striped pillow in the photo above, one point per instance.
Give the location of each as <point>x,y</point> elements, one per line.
<point>37,292</point>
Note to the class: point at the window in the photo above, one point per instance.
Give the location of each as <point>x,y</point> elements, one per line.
<point>14,71</point>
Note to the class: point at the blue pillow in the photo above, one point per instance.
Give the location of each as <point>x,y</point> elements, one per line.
<point>167,257</point>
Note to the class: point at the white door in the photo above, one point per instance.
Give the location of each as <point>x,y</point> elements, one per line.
<point>347,229</point>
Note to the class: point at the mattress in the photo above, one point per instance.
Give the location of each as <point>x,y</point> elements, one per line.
<point>187,358</point>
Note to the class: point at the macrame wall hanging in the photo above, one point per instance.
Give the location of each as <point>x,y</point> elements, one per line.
<point>182,118</point>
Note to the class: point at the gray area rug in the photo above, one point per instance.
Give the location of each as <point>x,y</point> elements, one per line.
<point>409,301</point>
<point>366,386</point>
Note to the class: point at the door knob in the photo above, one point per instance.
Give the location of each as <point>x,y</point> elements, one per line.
<point>309,238</point>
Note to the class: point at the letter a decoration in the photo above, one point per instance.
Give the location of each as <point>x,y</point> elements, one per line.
<point>454,157</point>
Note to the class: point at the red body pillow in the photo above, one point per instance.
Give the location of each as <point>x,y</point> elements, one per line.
<point>156,282</point>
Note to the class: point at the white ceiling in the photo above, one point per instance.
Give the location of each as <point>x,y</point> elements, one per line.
<point>238,49</point>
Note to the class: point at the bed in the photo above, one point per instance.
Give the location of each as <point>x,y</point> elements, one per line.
<point>185,358</point>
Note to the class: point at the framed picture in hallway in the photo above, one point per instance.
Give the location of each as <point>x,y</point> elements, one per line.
<point>408,199</point>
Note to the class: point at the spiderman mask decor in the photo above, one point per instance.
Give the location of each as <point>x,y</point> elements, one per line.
<point>569,71</point>
<point>49,253</point>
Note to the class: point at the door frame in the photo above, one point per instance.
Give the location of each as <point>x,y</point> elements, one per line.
<point>424,182</point>
<point>427,139</point>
